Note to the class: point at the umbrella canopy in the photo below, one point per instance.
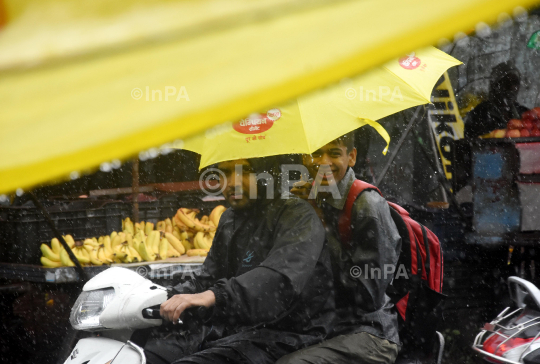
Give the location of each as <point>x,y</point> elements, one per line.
<point>86,82</point>
<point>311,121</point>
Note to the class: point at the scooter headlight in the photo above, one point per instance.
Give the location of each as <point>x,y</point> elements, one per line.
<point>90,304</point>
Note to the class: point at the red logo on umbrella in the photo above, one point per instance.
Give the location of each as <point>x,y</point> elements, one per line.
<point>410,62</point>
<point>257,123</point>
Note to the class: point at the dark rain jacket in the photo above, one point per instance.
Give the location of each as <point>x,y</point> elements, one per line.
<point>269,269</point>
<point>487,117</point>
<point>362,304</point>
<point>491,115</point>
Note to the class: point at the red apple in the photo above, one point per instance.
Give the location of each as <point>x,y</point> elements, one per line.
<point>537,111</point>
<point>514,124</point>
<point>525,133</point>
<point>513,133</point>
<point>530,115</point>
<point>527,124</point>
<point>535,132</point>
<point>537,124</point>
<point>499,133</point>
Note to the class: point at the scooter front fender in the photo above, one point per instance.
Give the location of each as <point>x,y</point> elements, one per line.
<point>101,350</point>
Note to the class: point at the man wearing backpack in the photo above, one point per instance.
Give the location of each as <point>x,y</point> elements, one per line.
<point>366,329</point>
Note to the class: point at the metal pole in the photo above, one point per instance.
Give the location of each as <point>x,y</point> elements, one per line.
<point>394,153</point>
<point>135,186</point>
<point>59,236</point>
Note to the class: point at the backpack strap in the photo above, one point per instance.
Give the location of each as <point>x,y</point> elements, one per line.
<point>427,264</point>
<point>344,223</point>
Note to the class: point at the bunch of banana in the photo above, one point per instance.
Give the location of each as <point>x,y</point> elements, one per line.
<point>165,226</point>
<point>216,213</point>
<point>195,252</point>
<point>52,256</point>
<point>139,241</point>
<point>124,253</point>
<point>203,240</point>
<point>171,251</point>
<point>145,247</point>
<point>176,244</point>
<point>104,251</point>
<point>85,252</point>
<point>127,226</point>
<point>185,238</point>
<point>195,233</point>
<point>186,219</point>
<point>178,229</point>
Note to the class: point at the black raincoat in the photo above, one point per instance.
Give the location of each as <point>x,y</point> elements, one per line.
<point>270,271</point>
<point>494,113</point>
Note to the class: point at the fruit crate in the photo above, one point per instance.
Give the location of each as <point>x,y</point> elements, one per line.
<point>23,229</point>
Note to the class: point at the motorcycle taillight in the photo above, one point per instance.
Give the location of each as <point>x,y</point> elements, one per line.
<point>491,344</point>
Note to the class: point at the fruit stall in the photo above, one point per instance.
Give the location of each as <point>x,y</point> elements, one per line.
<point>41,279</point>
<point>505,174</point>
<point>96,235</point>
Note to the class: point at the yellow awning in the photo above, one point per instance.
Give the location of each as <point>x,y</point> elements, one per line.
<point>80,81</point>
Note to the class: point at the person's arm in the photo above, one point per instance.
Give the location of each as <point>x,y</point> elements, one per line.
<point>376,248</point>
<point>268,291</point>
<point>194,291</point>
<point>211,270</point>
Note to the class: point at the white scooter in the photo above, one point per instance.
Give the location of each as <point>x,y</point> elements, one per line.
<point>118,303</point>
<point>115,303</point>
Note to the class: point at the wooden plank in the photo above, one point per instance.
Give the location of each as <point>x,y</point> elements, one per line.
<point>182,186</point>
<point>40,274</point>
<point>120,191</point>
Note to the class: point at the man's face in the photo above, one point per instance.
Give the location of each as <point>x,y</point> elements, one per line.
<point>236,185</point>
<point>334,155</point>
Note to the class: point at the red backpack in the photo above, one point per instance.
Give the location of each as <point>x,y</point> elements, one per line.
<point>418,294</point>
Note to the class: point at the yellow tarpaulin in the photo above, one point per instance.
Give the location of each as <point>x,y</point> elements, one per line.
<point>84,82</point>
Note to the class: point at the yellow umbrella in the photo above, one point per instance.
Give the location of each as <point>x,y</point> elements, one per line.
<point>309,122</point>
<point>86,82</point>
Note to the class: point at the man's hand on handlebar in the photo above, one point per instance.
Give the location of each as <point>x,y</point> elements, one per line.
<point>172,308</point>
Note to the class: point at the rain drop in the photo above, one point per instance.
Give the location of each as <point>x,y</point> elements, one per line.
<point>143,156</point>
<point>166,148</point>
<point>504,19</point>
<point>520,14</point>
<point>483,30</point>
<point>105,167</point>
<point>178,144</point>
<point>153,153</point>
<point>116,163</point>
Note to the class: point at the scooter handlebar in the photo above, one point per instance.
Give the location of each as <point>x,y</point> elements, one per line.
<point>153,312</point>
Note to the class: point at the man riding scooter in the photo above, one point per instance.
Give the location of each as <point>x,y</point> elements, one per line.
<point>266,282</point>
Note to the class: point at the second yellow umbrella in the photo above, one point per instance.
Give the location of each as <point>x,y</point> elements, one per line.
<point>311,121</point>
